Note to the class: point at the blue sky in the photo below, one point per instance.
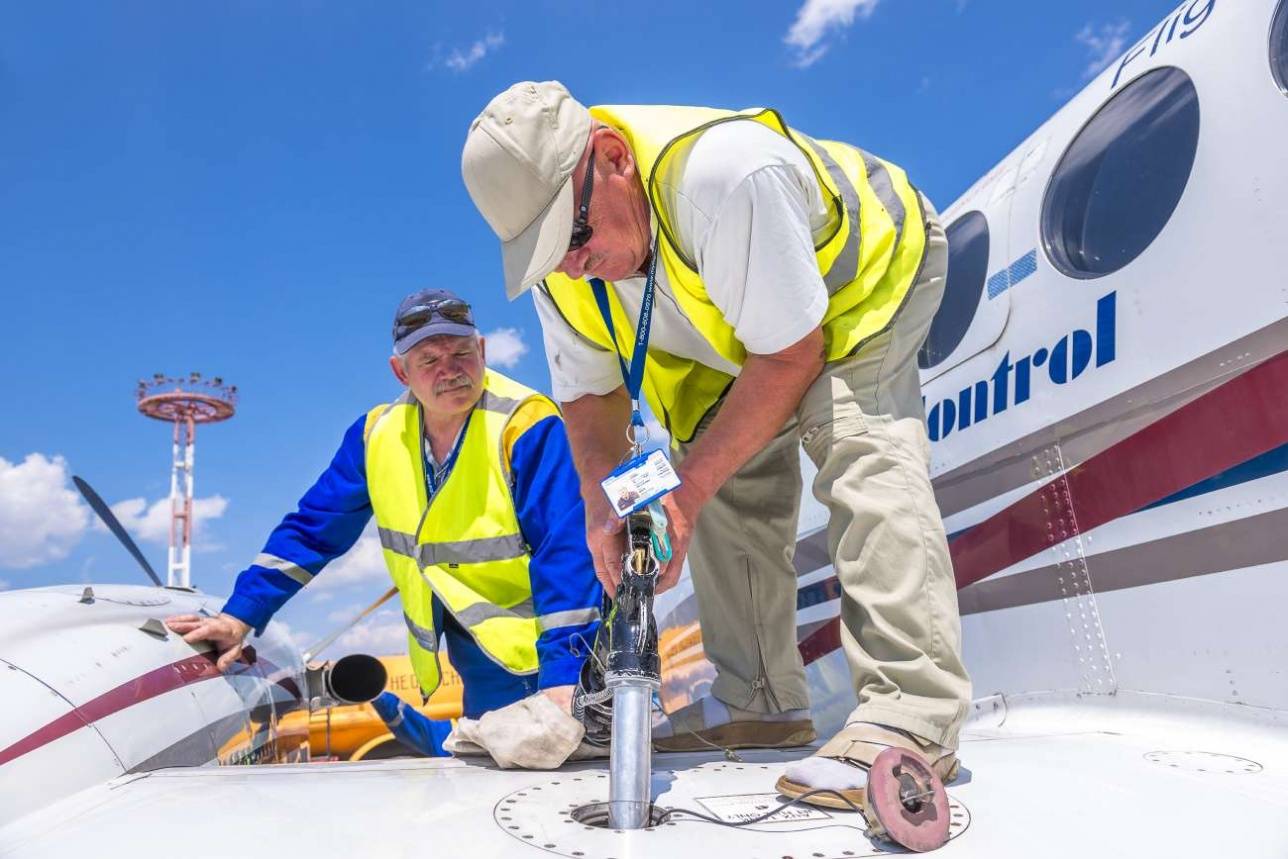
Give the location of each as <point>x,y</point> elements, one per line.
<point>246,189</point>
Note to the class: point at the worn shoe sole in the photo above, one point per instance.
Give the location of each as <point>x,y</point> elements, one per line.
<point>947,768</point>
<point>740,735</point>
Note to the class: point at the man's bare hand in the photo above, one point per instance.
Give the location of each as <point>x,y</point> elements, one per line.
<point>561,695</point>
<point>605,537</point>
<point>682,508</point>
<point>223,630</point>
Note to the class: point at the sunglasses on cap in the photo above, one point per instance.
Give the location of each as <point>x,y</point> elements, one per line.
<point>417,317</point>
<point>581,228</point>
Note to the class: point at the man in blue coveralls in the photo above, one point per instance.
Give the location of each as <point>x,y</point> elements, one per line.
<point>480,516</point>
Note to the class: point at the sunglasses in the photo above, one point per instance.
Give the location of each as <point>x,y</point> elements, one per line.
<point>414,318</point>
<point>581,228</point>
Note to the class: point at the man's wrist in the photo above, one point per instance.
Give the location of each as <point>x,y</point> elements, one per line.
<point>697,482</point>
<point>247,610</point>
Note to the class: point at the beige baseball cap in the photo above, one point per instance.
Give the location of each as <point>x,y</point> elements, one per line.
<point>517,164</point>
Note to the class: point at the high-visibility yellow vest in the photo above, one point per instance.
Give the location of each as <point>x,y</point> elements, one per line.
<point>870,255</point>
<point>464,544</point>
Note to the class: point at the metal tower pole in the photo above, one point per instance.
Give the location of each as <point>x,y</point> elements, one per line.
<point>184,402</point>
<point>190,450</point>
<point>176,465</point>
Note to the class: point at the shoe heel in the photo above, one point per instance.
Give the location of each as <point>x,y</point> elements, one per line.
<point>953,771</point>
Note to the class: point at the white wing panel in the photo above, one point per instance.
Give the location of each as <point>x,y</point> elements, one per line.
<point>1058,776</point>
<point>40,769</point>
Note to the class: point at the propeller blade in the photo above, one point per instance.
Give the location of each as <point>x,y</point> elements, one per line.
<point>330,639</point>
<point>114,525</point>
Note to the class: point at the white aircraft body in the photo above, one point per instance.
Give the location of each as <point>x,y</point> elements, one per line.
<point>1107,399</point>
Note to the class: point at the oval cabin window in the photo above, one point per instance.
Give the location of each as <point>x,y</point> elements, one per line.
<point>1279,47</point>
<point>967,272</point>
<point>1120,180</point>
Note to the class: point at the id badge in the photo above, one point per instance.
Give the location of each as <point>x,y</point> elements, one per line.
<point>636,482</point>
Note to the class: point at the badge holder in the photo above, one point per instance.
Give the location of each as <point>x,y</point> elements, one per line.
<point>640,480</point>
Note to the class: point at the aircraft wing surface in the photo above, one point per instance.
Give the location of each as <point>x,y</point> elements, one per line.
<point>1056,780</point>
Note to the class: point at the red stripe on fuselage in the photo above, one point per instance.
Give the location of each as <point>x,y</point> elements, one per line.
<point>1241,419</point>
<point>158,681</point>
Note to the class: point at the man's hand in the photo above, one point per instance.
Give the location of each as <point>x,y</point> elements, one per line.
<point>597,432</point>
<point>562,696</point>
<point>682,508</point>
<point>224,631</point>
<point>606,539</point>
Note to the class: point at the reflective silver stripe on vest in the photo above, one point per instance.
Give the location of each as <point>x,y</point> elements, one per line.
<point>571,617</point>
<point>399,542</point>
<point>292,571</point>
<point>473,615</point>
<point>883,187</point>
<point>846,265</point>
<point>472,551</point>
<point>424,637</point>
<point>491,402</point>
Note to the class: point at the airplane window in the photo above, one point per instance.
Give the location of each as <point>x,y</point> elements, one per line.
<point>1279,47</point>
<point>1120,180</point>
<point>967,267</point>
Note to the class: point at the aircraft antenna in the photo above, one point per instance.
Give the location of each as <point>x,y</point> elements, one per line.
<point>184,402</point>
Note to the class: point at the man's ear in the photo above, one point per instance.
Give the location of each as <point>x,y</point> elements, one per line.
<point>396,364</point>
<point>483,348</point>
<point>612,148</point>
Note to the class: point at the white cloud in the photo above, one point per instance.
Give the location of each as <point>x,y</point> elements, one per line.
<point>462,60</point>
<point>382,634</point>
<point>1103,45</point>
<point>364,562</point>
<point>151,522</point>
<point>815,21</point>
<point>4,584</point>
<point>505,347</point>
<point>41,515</point>
<point>346,614</point>
<point>300,639</point>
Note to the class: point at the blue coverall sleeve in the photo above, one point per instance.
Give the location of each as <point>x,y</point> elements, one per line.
<point>329,520</point>
<point>565,593</point>
<point>412,728</point>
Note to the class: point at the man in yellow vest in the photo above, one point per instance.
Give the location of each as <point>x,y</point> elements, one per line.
<point>473,488</point>
<point>795,280</point>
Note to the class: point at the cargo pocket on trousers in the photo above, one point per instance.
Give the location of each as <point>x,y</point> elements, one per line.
<point>819,438</point>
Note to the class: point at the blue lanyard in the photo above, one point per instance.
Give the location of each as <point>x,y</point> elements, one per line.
<point>432,480</point>
<point>634,375</point>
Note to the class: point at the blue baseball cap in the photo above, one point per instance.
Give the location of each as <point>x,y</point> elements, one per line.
<point>428,313</point>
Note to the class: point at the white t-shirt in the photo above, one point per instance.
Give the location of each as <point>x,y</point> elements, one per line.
<point>746,207</point>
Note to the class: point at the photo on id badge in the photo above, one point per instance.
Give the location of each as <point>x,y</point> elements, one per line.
<point>638,481</point>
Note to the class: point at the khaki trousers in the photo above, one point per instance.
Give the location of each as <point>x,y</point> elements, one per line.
<point>862,424</point>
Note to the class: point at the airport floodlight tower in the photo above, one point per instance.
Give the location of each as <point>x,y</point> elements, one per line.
<point>184,402</point>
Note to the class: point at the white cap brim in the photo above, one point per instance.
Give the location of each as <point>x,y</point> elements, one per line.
<point>539,249</point>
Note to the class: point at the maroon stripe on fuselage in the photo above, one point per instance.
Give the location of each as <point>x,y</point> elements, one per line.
<point>158,681</point>
<point>1230,424</point>
<point>1242,418</point>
